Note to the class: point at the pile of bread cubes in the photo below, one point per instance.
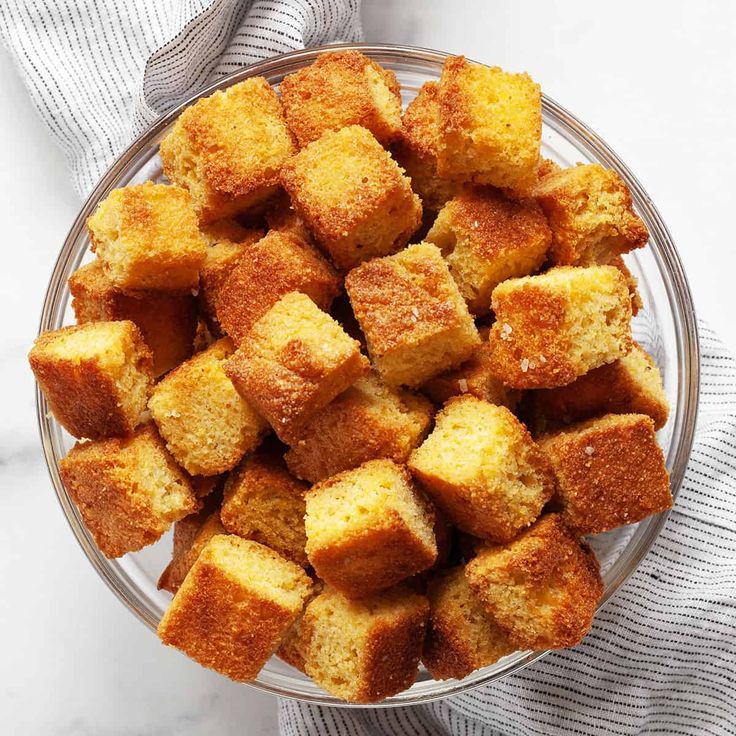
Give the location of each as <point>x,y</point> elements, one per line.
<point>374,365</point>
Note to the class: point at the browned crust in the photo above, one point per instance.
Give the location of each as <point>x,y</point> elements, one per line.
<point>637,303</point>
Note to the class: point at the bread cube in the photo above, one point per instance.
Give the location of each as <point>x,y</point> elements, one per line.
<point>364,650</point>
<point>235,606</point>
<point>295,361</point>
<point>228,149</point>
<point>367,422</point>
<point>353,196</point>
<point>610,472</point>
<point>96,377</point>
<point>265,503</point>
<point>146,237</point>
<point>461,636</point>
<point>167,321</point>
<point>276,265</point>
<point>490,125</point>
<point>559,325</point>
<point>487,238</point>
<point>482,468</point>
<point>591,214</point>
<point>542,589</point>
<point>415,321</point>
<point>293,645</point>
<point>339,89</point>
<point>128,489</point>
<point>416,148</point>
<point>206,423</point>
<point>368,528</point>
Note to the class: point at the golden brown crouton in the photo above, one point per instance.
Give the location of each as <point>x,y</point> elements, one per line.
<point>610,472</point>
<point>367,422</point>
<point>415,321</point>
<point>490,125</point>
<point>128,490</point>
<point>368,528</point>
<point>207,425</point>
<point>295,361</point>
<point>235,606</point>
<point>353,196</point>
<point>340,89</point>
<point>228,149</point>
<point>542,589</point>
<point>487,238</point>
<point>590,211</point>
<point>96,377</point>
<point>146,237</point>
<point>557,326</point>
<point>482,468</point>
<point>364,650</point>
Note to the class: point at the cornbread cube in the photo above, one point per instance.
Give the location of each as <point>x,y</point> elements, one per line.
<point>128,489</point>
<point>542,589</point>
<point>416,149</point>
<point>353,196</point>
<point>206,423</point>
<point>368,528</point>
<point>296,360</point>
<point>364,650</point>
<point>610,472</point>
<point>367,422</point>
<point>482,468</point>
<point>265,503</point>
<point>146,237</point>
<point>235,606</point>
<point>591,214</point>
<point>461,636</point>
<point>632,284</point>
<point>340,89</point>
<point>487,238</point>
<point>228,149</point>
<point>415,321</point>
<point>629,385</point>
<point>96,377</point>
<point>167,321</point>
<point>292,649</point>
<point>490,125</point>
<point>559,325</point>
<point>276,265</point>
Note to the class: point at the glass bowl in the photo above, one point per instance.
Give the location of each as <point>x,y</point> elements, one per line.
<point>666,327</point>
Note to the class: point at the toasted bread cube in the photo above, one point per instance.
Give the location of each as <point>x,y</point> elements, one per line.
<point>235,606</point>
<point>276,265</point>
<point>631,283</point>
<point>206,423</point>
<point>369,528</point>
<point>490,125</point>
<point>339,89</point>
<point>96,377</point>
<point>228,149</point>
<point>146,237</point>
<point>265,503</point>
<point>369,421</point>
<point>353,196</point>
<point>416,149</point>
<point>415,321</point>
<point>487,238</point>
<point>295,361</point>
<point>542,589</point>
<point>128,489</point>
<point>559,325</point>
<point>167,321</point>
<point>482,468</point>
<point>610,472</point>
<point>461,636</point>
<point>364,650</point>
<point>591,214</point>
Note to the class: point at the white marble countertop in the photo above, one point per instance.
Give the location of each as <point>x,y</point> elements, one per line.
<point>654,79</point>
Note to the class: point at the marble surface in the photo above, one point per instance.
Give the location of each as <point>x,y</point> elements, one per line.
<point>654,79</point>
